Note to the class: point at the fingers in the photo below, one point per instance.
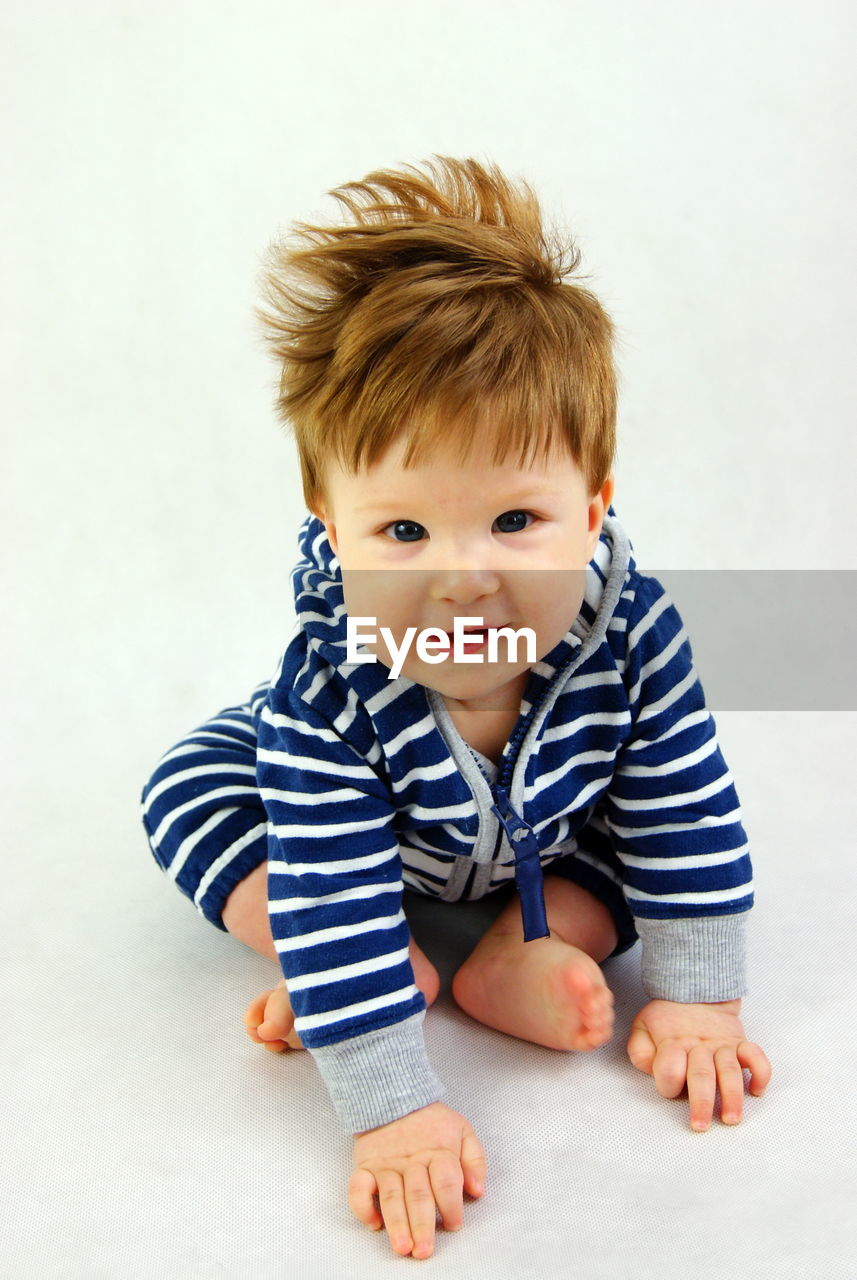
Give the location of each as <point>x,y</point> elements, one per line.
<point>706,1068</point>
<point>362,1191</point>
<point>421,1210</point>
<point>701,1086</point>
<point>670,1068</point>
<point>730,1077</point>
<point>407,1201</point>
<point>381,1203</point>
<point>407,1208</point>
<point>473,1164</point>
<point>405,1205</point>
<point>447,1184</point>
<point>641,1049</point>
<point>755,1060</point>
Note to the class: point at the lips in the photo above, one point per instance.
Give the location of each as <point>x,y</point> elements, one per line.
<point>477,631</point>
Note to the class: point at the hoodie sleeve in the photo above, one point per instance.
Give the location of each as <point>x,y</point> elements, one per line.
<point>675,819</point>
<point>335,903</point>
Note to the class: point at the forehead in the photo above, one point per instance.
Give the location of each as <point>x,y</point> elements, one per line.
<point>440,476</point>
<point>477,443</point>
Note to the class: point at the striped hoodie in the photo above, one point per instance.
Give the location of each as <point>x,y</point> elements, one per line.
<point>369,788</point>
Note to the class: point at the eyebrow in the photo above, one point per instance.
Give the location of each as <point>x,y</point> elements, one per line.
<point>519,498</point>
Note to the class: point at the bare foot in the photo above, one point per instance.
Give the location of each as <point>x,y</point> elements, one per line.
<point>270,1022</point>
<point>545,991</point>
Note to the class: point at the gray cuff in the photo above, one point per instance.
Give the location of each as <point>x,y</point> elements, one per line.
<point>699,959</point>
<point>380,1076</point>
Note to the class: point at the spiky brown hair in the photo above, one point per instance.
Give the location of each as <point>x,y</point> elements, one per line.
<point>440,305</point>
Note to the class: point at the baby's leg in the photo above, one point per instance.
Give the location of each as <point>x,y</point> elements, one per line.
<point>269,1019</point>
<point>550,991</point>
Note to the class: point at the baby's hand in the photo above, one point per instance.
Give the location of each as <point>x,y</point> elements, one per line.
<point>702,1045</point>
<point>415,1166</point>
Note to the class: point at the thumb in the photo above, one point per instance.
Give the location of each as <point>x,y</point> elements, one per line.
<point>641,1048</point>
<point>473,1164</point>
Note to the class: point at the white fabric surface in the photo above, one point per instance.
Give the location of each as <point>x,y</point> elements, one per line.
<point>145,1135</point>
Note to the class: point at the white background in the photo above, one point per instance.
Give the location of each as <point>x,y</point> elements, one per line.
<point>702,155</point>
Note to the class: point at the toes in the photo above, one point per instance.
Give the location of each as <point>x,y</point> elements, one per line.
<point>255,1011</point>
<point>254,1016</point>
<point>595,1005</point>
<point>268,1019</point>
<point>275,1046</point>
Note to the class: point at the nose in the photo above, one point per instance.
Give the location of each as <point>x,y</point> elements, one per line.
<point>464,586</point>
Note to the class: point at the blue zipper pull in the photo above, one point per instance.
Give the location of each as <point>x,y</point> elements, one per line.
<point>528,867</point>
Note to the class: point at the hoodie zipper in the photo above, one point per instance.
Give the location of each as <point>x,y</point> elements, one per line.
<point>529,878</point>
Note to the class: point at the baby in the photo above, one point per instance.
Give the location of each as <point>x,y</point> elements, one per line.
<point>483,695</point>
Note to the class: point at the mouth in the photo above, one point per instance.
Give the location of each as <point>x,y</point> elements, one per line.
<point>472,637</point>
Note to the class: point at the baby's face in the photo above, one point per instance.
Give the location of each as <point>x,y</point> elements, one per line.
<point>445,540</point>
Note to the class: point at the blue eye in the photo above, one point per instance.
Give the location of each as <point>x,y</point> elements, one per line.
<point>513,521</point>
<point>405,531</point>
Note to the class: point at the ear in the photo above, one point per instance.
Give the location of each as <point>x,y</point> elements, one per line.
<point>318,509</point>
<point>597,511</point>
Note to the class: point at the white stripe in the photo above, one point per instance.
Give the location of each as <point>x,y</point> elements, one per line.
<point>345,864</point>
<point>379,924</point>
<point>558,733</point>
<point>228,855</point>
<point>596,680</point>
<point>675,801</point>
<point>236,721</point>
<point>354,1010</point>
<point>674,828</point>
<point>345,972</point>
<point>715,895</point>
<point>673,695</point>
<point>425,863</point>
<point>550,779</point>
<point>307,764</point>
<point>198,771</point>
<point>188,845</point>
<point>410,733</point>
<point>312,797</point>
<point>669,766</point>
<point>319,682</point>
<point>322,831</point>
<point>646,623</point>
<point>428,773</point>
<point>347,715</point>
<point>658,662</point>
<point>667,863</point>
<point>278,720</point>
<point>193,748</point>
<point>218,793</point>
<point>332,899</point>
<point>594,788</point>
<point>389,693</point>
<point>686,722</point>
<point>449,811</point>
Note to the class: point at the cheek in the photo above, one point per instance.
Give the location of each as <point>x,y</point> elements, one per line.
<point>389,596</point>
<point>552,605</point>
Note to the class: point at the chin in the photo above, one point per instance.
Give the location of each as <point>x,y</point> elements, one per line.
<point>466,684</point>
